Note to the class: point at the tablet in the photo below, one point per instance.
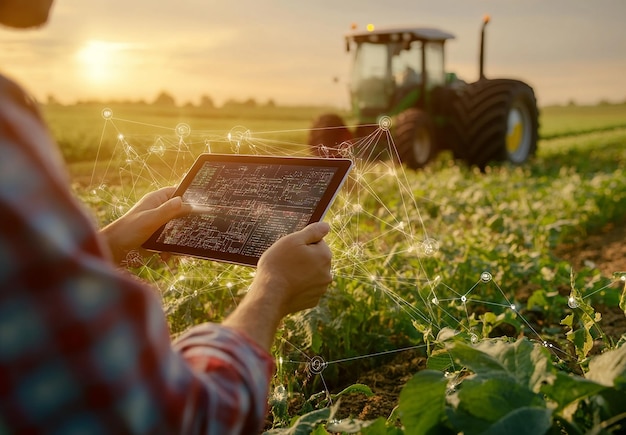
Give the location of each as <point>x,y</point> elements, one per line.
<point>241,204</point>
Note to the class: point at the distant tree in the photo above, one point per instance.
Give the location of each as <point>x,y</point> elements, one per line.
<point>164,99</point>
<point>52,100</point>
<point>206,102</point>
<point>250,102</point>
<point>270,103</point>
<point>571,103</point>
<point>230,103</point>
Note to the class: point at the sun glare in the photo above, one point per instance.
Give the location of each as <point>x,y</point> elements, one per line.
<point>99,60</point>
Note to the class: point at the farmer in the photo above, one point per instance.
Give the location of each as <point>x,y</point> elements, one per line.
<point>84,346</point>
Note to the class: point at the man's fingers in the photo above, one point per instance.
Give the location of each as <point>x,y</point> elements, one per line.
<point>173,207</point>
<point>315,232</point>
<point>170,209</point>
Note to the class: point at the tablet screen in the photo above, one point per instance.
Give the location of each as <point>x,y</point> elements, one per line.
<point>242,204</point>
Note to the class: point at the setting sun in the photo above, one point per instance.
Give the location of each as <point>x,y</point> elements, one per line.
<point>100,60</point>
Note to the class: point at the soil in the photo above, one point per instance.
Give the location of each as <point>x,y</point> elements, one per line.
<point>604,250</point>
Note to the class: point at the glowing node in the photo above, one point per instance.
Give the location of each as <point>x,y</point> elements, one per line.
<point>229,285</point>
<point>134,259</point>
<point>356,250</point>
<point>157,149</point>
<point>317,365</point>
<point>345,150</point>
<point>195,293</point>
<point>323,150</point>
<point>513,307</point>
<point>485,277</point>
<point>463,299</point>
<point>435,301</point>
<point>280,393</point>
<point>429,247</point>
<point>107,113</point>
<point>120,136</point>
<point>373,278</point>
<point>183,130</point>
<point>384,123</point>
<point>474,338</point>
<point>238,134</point>
<point>572,302</point>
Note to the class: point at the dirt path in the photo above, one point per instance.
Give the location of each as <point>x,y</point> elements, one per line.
<point>605,250</point>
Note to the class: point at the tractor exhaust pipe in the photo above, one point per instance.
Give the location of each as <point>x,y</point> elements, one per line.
<point>481,63</point>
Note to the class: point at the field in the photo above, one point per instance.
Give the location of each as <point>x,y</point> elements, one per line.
<point>463,278</point>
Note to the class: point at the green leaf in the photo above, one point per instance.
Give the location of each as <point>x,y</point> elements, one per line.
<point>490,399</point>
<point>622,299</point>
<point>609,368</point>
<point>527,363</point>
<point>537,299</point>
<point>567,389</point>
<point>356,388</point>
<point>476,360</point>
<point>523,421</point>
<point>582,340</point>
<point>306,424</point>
<point>371,427</point>
<point>381,427</point>
<point>422,402</point>
<point>348,425</point>
<point>320,430</point>
<point>440,360</point>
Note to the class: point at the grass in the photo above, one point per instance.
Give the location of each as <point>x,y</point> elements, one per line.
<point>558,121</point>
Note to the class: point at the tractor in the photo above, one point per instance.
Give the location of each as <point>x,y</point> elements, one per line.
<point>399,74</point>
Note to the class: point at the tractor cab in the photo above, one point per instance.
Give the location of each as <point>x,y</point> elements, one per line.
<point>394,69</point>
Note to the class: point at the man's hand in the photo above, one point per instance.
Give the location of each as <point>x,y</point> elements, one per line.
<point>292,275</point>
<point>135,227</point>
<point>296,269</point>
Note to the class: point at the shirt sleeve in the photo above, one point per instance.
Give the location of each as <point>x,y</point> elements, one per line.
<point>85,347</point>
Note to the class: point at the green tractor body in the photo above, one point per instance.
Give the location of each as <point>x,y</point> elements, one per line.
<point>399,73</point>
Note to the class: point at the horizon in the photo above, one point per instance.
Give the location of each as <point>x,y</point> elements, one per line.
<point>256,104</point>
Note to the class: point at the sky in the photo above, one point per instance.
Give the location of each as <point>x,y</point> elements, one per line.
<point>293,52</point>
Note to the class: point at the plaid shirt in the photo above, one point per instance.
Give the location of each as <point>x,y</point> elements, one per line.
<point>84,347</point>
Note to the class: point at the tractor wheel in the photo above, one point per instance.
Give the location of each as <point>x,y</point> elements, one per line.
<point>328,135</point>
<point>498,120</point>
<point>414,138</point>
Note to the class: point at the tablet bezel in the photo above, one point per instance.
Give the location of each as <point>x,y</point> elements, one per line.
<point>341,165</point>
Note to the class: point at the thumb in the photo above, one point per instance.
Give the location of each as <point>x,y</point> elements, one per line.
<point>315,232</point>
<point>170,209</point>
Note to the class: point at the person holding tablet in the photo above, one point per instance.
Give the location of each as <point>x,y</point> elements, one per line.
<point>84,346</point>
